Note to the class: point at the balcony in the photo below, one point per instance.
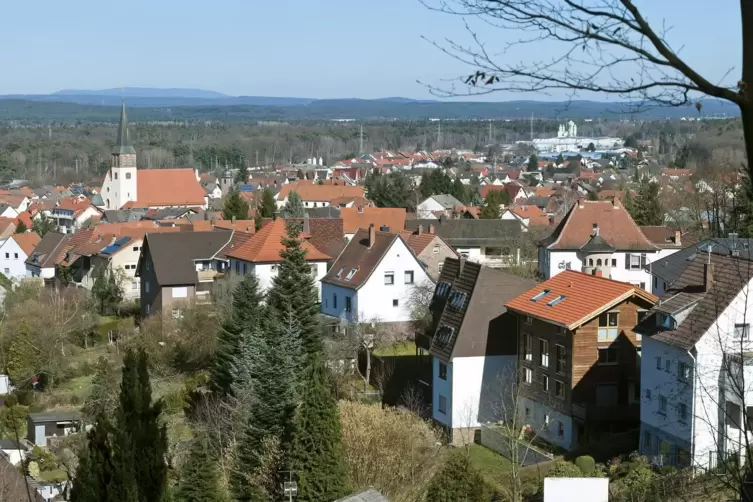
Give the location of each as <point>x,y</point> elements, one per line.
<point>592,413</point>
<point>206,275</point>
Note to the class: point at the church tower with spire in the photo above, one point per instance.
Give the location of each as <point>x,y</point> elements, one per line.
<point>123,186</point>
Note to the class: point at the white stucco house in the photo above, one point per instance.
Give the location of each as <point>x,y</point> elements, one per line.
<point>696,395</point>
<point>601,238</point>
<point>373,278</point>
<point>260,255</point>
<point>121,257</point>
<point>443,203</point>
<point>473,348</point>
<point>13,254</point>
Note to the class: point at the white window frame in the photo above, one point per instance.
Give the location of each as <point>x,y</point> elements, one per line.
<point>405,276</point>
<point>527,376</point>
<point>543,353</point>
<point>609,331</point>
<point>178,292</point>
<point>662,404</point>
<point>391,277</point>
<point>742,331</point>
<point>632,266</point>
<point>528,349</point>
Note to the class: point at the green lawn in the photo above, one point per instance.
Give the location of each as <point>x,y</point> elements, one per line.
<point>53,476</point>
<point>397,349</point>
<point>488,462</point>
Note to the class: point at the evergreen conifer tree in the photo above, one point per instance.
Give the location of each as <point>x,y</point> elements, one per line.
<point>293,208</point>
<point>457,481</point>
<point>293,289</point>
<point>94,474</point>
<point>315,454</point>
<point>246,313</point>
<point>139,438</point>
<point>21,227</point>
<point>268,205</point>
<point>459,191</point>
<point>199,477</point>
<point>235,206</point>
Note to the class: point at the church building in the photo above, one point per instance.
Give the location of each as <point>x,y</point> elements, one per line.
<point>127,187</point>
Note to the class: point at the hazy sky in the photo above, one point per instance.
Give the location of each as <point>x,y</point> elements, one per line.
<point>303,48</point>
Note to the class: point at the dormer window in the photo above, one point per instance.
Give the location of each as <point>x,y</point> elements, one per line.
<point>665,321</point>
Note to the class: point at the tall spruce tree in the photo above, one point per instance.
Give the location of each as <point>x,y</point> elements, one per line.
<point>235,207</point>
<point>139,440</point>
<point>315,454</point>
<point>246,313</point>
<point>199,477</point>
<point>293,208</point>
<point>268,205</point>
<point>293,289</point>
<point>95,471</point>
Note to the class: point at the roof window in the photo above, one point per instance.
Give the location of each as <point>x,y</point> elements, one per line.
<point>540,295</point>
<point>444,335</point>
<point>442,289</point>
<point>351,274</point>
<point>340,272</point>
<point>557,300</point>
<point>457,300</point>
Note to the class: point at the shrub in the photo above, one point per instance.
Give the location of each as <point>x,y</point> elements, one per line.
<point>564,469</point>
<point>458,480</point>
<point>586,465</point>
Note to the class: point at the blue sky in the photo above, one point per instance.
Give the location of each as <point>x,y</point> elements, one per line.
<point>304,48</point>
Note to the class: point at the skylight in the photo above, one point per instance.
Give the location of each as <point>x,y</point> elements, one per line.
<point>556,301</point>
<point>340,272</point>
<point>457,300</point>
<point>444,334</point>
<point>442,289</point>
<point>351,274</point>
<point>540,295</point>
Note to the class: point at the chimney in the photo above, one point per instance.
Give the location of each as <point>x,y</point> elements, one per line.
<point>597,273</point>
<point>708,276</point>
<point>431,229</point>
<point>615,203</point>
<point>678,235</point>
<point>372,235</point>
<point>233,220</point>
<point>384,228</point>
<point>420,229</point>
<point>462,259</point>
<point>214,220</point>
<point>580,203</point>
<point>596,229</point>
<point>306,223</point>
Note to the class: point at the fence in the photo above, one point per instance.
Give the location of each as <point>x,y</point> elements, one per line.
<point>500,442</point>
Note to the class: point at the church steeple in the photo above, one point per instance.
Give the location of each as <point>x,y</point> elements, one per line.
<point>122,145</point>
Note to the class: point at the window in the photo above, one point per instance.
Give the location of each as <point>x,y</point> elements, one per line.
<point>334,300</point>
<point>148,264</point>
<point>543,353</point>
<point>528,412</point>
<point>146,286</point>
<point>128,176</point>
<point>395,303</point>
<point>442,289</point>
<point>665,321</point>
<point>442,405</point>
<point>340,272</point>
<point>561,359</point>
<point>7,255</point>
<point>635,261</point>
<point>148,308</point>
<point>457,300</point>
<point>668,366</point>
<point>180,292</point>
<point>658,363</point>
<point>545,383</point>
<point>559,389</point>
<point>436,250</point>
<point>557,300</point>
<point>640,315</point>
<point>527,344</point>
<point>590,262</point>
<point>6,270</point>
<point>614,262</point>
<point>116,175</point>
<point>347,304</point>
<point>389,278</point>
<point>647,439</point>
<point>663,405</point>
<point>608,326</point>
<point>135,248</point>
<point>444,335</point>
<point>272,267</point>
<point>351,274</point>
<point>409,277</point>
<point>15,255</point>
<point>741,330</point>
<point>237,267</point>
<point>608,355</point>
<point>540,295</point>
<point>177,314</point>
<point>527,375</point>
<point>442,370</point>
<point>656,282</point>
<point>560,430</point>
<point>134,285</point>
<point>648,394</point>
<point>682,412</point>
<point>527,320</point>
<point>683,371</point>
<point>598,262</point>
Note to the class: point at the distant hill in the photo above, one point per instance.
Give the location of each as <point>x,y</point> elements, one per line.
<point>145,92</point>
<point>100,108</point>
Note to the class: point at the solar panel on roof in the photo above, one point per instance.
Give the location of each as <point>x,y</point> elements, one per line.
<point>122,241</point>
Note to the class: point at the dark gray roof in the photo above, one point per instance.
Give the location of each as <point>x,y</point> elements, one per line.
<point>670,268</point>
<point>540,202</point>
<point>169,213</point>
<point>480,324</point>
<point>367,496</point>
<point>48,249</point>
<point>122,143</point>
<point>323,212</point>
<point>55,416</point>
<point>471,233</point>
<point>447,201</point>
<point>597,244</point>
<point>123,215</point>
<point>688,293</point>
<point>173,254</point>
<point>11,444</point>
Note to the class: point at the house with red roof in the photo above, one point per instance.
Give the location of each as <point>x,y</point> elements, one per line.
<point>528,215</point>
<point>14,251</point>
<point>601,238</point>
<point>125,186</point>
<point>578,356</point>
<point>71,213</point>
<point>260,255</point>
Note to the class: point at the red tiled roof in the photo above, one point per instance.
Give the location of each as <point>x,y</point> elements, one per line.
<point>266,244</point>
<point>676,172</point>
<point>27,241</point>
<point>361,217</point>
<point>242,226</point>
<point>545,192</point>
<point>488,188</point>
<point>614,222</point>
<point>168,187</point>
<point>585,296</point>
<point>6,222</point>
<point>25,217</point>
<point>535,215</point>
<point>320,192</point>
